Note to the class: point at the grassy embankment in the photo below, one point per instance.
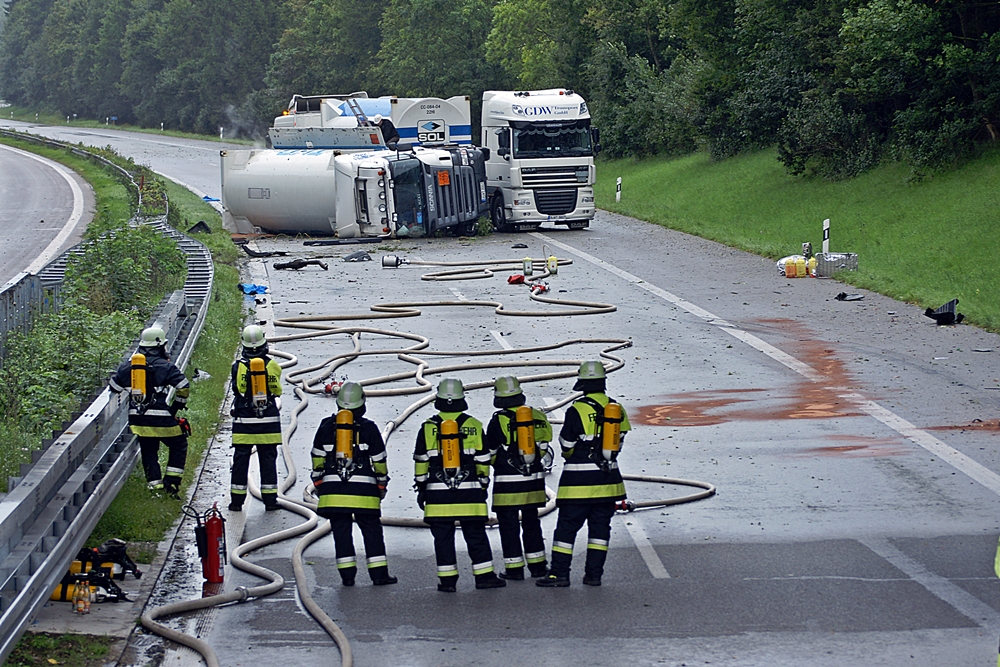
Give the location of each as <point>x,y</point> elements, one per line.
<point>921,242</point>
<point>137,516</point>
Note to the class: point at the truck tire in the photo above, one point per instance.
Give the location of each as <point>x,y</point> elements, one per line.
<point>498,215</point>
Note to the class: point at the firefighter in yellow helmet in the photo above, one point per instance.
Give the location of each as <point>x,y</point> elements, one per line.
<point>351,474</point>
<point>256,383</point>
<point>519,435</point>
<point>451,475</point>
<point>150,417</point>
<point>590,484</point>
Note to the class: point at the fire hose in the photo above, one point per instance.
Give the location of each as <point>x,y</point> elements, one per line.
<point>318,326</point>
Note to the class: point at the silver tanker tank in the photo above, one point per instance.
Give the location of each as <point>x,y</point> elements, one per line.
<point>378,193</point>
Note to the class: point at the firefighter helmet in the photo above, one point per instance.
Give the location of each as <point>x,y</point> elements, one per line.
<point>377,118</point>
<point>451,389</point>
<point>152,337</point>
<point>351,396</point>
<point>253,337</point>
<point>506,386</point>
<point>591,370</point>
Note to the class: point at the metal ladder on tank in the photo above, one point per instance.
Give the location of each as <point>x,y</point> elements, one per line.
<point>355,108</point>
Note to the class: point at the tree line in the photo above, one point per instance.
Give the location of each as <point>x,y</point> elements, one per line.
<point>837,85</point>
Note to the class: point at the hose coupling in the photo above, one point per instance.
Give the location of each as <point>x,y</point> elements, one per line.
<point>244,593</point>
<point>625,506</point>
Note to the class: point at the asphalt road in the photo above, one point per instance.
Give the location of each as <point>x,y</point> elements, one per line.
<point>44,209</point>
<point>852,444</point>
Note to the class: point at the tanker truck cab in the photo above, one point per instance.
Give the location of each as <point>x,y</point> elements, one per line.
<point>541,164</point>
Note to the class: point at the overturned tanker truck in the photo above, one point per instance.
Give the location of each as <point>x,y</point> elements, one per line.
<point>354,166</point>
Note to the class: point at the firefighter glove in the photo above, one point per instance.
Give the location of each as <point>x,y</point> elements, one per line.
<point>185,426</point>
<point>484,482</point>
<point>381,491</point>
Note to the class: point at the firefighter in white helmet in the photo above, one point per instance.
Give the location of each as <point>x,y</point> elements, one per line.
<point>256,382</point>
<point>350,474</point>
<point>451,475</point>
<point>149,415</point>
<point>519,435</point>
<point>590,484</point>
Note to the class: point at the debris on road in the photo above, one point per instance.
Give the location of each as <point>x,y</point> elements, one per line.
<point>300,263</point>
<point>946,314</point>
<point>844,296</point>
<point>359,256</point>
<point>250,288</point>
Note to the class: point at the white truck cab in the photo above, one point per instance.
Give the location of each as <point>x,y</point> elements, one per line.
<point>541,158</point>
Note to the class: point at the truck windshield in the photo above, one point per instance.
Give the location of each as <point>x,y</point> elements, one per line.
<point>566,139</point>
<point>408,191</point>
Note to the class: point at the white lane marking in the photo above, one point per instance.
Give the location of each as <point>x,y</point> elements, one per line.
<point>948,454</point>
<point>556,415</point>
<point>458,295</point>
<point>646,549</point>
<point>965,603</point>
<point>500,339</point>
<point>75,216</point>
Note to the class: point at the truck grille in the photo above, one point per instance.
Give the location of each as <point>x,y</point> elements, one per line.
<point>555,202</point>
<point>535,177</point>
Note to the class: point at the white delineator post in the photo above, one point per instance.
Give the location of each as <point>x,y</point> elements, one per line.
<point>618,190</point>
<point>826,236</point>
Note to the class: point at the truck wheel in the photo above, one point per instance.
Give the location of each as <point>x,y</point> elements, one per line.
<point>468,228</point>
<point>498,215</point>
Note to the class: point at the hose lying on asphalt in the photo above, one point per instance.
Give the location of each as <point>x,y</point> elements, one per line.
<point>317,326</point>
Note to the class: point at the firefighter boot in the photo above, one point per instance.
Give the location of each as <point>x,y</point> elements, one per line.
<point>347,575</point>
<point>490,580</point>
<point>447,584</point>
<point>513,574</point>
<point>236,502</point>
<point>538,569</point>
<point>553,581</point>
<point>172,486</point>
<point>380,576</point>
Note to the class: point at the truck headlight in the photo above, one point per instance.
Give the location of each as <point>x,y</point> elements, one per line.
<point>381,208</point>
<point>522,202</point>
<point>381,195</point>
<point>587,200</point>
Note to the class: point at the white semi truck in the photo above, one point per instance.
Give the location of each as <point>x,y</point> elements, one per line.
<point>541,158</point>
<point>330,170</point>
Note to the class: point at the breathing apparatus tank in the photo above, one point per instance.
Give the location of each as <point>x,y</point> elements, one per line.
<point>258,385</point>
<point>451,451</point>
<point>345,443</point>
<point>611,442</point>
<point>138,390</point>
<point>525,421</point>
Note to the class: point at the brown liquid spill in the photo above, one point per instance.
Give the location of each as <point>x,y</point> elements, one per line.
<point>864,447</point>
<point>801,399</point>
<point>990,425</point>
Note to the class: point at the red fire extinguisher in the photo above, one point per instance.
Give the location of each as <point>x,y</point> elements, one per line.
<point>210,534</point>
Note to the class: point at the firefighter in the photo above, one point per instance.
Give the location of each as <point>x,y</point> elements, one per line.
<point>149,415</point>
<point>590,484</point>
<point>452,473</point>
<point>256,419</point>
<point>389,132</point>
<point>519,467</point>
<point>351,474</point>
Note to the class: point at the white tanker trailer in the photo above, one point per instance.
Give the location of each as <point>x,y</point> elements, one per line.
<point>385,193</point>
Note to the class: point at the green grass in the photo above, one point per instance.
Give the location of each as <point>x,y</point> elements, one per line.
<point>68,650</point>
<point>922,242</point>
<point>136,515</point>
<point>51,118</point>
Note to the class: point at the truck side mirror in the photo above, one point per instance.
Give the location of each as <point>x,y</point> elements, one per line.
<point>504,152</point>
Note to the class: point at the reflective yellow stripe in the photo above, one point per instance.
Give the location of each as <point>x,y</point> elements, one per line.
<point>527,498</point>
<point>156,431</point>
<point>345,500</point>
<point>563,550</point>
<point>458,509</point>
<point>421,467</point>
<point>597,491</point>
<point>256,438</point>
<point>598,547</point>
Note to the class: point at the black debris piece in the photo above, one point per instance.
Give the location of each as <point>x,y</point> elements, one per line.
<point>352,241</point>
<point>946,314</point>
<point>520,245</point>
<point>300,263</point>
<point>844,296</point>
<point>200,226</point>
<point>359,256</point>
<point>255,253</point>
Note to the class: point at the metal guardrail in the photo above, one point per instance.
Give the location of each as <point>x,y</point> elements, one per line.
<point>52,508</point>
<point>21,300</point>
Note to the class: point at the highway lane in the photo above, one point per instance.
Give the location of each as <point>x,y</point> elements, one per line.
<point>855,521</point>
<point>44,209</point>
